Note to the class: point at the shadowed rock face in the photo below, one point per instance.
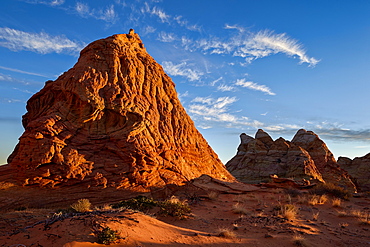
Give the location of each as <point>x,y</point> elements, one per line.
<point>305,157</point>
<point>114,119</point>
<point>358,169</point>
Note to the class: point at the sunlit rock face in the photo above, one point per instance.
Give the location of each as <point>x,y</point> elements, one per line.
<point>114,120</point>
<point>305,157</point>
<point>358,169</point>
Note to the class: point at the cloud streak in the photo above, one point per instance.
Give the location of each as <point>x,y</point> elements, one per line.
<point>47,2</point>
<point>254,86</point>
<point>251,46</point>
<point>22,71</point>
<point>43,43</point>
<point>108,14</point>
<point>182,69</point>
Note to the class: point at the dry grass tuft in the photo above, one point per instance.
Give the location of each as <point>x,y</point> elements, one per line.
<point>81,206</point>
<point>289,211</point>
<point>315,216</point>
<point>317,199</point>
<point>226,233</point>
<point>299,240</point>
<point>336,202</point>
<point>239,209</point>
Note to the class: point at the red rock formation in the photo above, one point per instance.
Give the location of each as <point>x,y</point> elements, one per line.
<point>113,120</point>
<point>323,158</point>
<point>258,158</point>
<point>305,157</point>
<point>358,169</point>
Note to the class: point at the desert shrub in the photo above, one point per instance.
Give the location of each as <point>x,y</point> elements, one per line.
<point>317,199</point>
<point>81,206</point>
<point>140,203</point>
<point>107,236</point>
<point>174,208</point>
<point>331,189</point>
<point>289,211</point>
<point>336,202</point>
<point>299,240</point>
<point>226,233</point>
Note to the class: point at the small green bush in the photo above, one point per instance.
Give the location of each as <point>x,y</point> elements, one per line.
<point>140,203</point>
<point>107,236</point>
<point>174,208</point>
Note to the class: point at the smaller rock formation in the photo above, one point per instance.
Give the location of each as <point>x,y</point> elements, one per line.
<point>358,169</point>
<point>258,158</point>
<point>305,157</point>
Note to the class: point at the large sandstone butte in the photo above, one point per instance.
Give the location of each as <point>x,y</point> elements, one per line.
<point>358,169</point>
<point>114,120</point>
<point>305,157</point>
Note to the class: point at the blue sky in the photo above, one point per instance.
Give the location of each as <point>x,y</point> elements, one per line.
<point>238,65</point>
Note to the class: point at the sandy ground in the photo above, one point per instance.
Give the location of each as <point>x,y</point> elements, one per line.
<point>253,217</point>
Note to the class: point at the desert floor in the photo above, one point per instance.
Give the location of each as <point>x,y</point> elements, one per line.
<point>256,218</point>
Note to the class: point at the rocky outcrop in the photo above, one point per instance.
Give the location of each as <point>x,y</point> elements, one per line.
<point>113,120</point>
<point>305,157</point>
<point>358,169</point>
<point>323,158</point>
<point>258,158</point>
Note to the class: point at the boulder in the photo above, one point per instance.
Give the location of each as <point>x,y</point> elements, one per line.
<point>113,120</point>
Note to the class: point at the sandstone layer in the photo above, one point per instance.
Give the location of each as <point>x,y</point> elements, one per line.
<point>113,120</point>
<point>358,169</point>
<point>306,157</point>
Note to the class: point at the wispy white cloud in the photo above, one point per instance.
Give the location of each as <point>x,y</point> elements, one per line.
<point>225,88</point>
<point>184,23</point>
<point>213,83</point>
<point>22,71</point>
<point>47,2</point>
<point>5,78</point>
<point>164,17</point>
<point>265,43</point>
<point>254,86</point>
<point>148,29</point>
<point>251,46</point>
<point>17,40</point>
<point>239,28</point>
<point>211,109</point>
<point>166,37</point>
<point>108,14</point>
<point>182,69</point>
<point>211,112</point>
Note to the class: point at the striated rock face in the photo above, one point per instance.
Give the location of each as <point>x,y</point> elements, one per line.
<point>114,119</point>
<point>258,158</point>
<point>358,169</point>
<point>323,158</point>
<point>305,157</point>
